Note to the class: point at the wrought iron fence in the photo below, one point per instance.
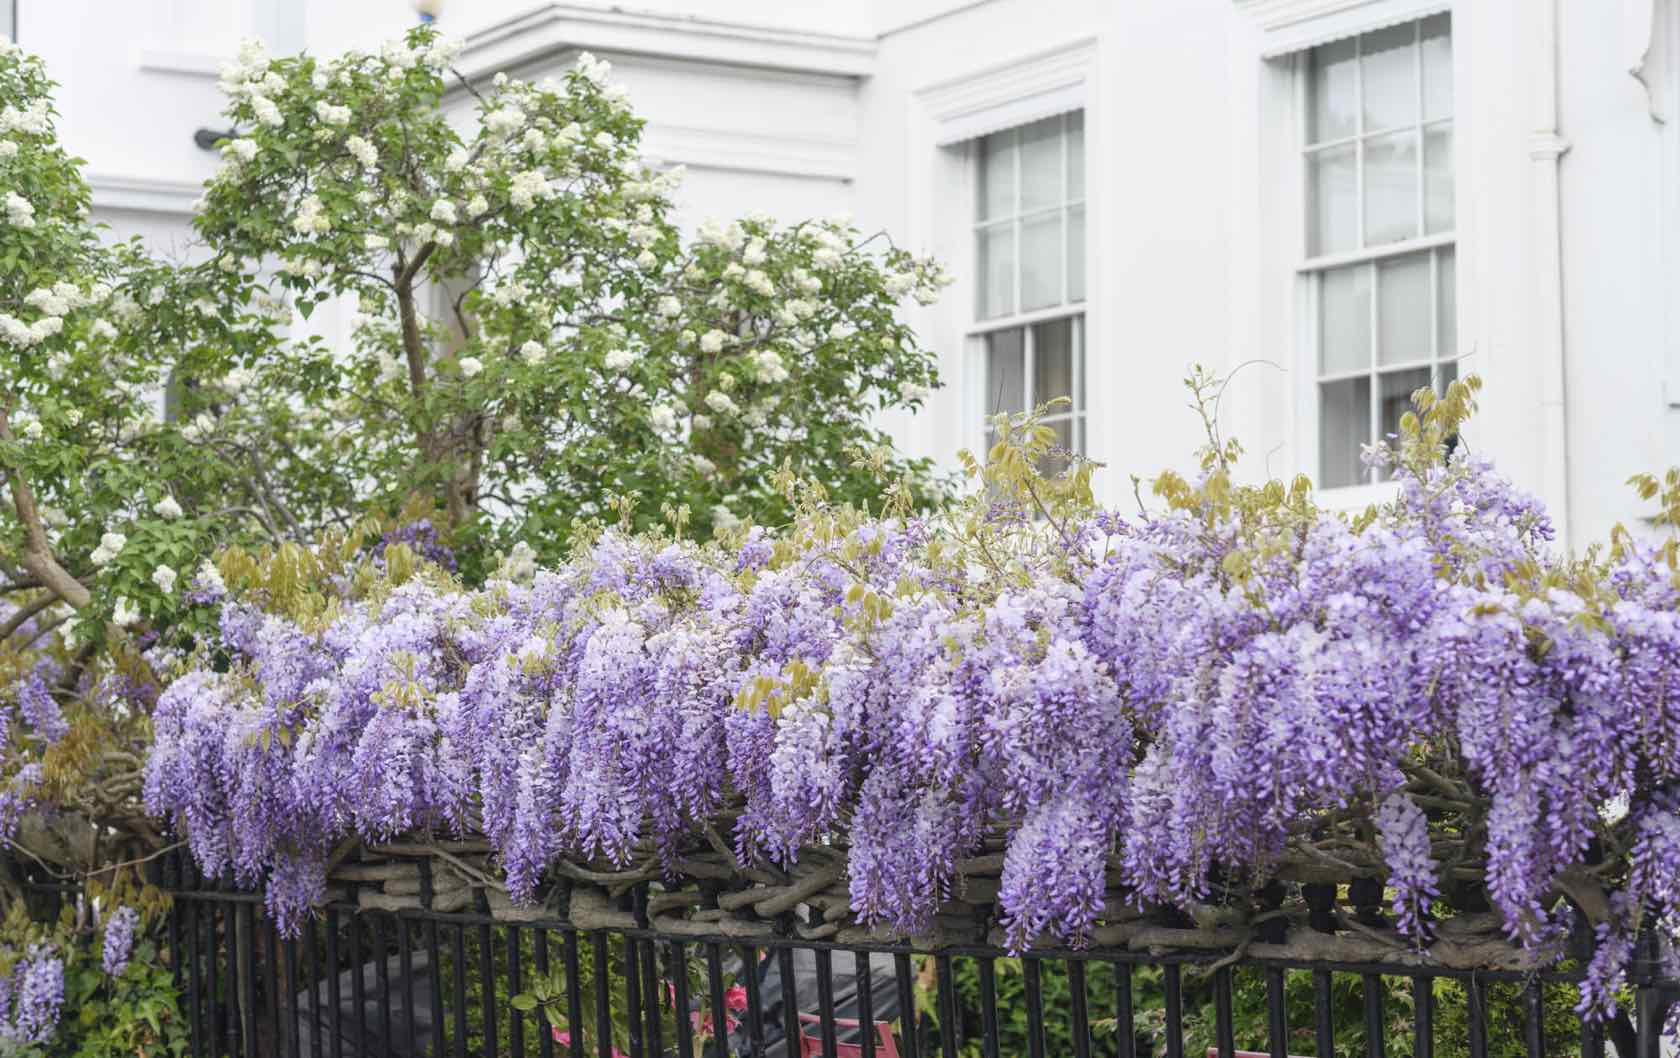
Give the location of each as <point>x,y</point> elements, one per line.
<point>358,983</point>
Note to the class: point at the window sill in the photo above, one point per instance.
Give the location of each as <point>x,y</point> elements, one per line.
<point>1352,499</point>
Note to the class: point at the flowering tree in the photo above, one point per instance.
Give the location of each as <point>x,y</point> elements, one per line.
<point>1216,707</point>
<point>534,347</point>
<point>535,342</point>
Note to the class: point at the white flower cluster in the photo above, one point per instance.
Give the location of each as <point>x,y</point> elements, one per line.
<point>593,69</point>
<point>526,188</point>
<point>32,120</point>
<point>363,151</point>
<point>311,218</point>
<point>20,212</point>
<point>533,353</point>
<point>769,368</point>
<point>332,114</point>
<point>110,546</point>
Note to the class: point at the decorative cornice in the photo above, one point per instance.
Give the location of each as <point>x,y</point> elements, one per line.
<point>198,64</point>
<point>1293,25</point>
<point>143,194</point>
<point>556,28</point>
<point>735,151</point>
<point>1010,93</point>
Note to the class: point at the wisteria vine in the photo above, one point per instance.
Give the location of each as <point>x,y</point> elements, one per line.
<point>1238,687</point>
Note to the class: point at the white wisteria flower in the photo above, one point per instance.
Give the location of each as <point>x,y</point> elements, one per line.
<point>471,366</point>
<point>164,578</point>
<point>167,507</point>
<point>110,546</point>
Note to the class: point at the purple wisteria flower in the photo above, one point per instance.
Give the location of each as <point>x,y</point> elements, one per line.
<point>119,940</point>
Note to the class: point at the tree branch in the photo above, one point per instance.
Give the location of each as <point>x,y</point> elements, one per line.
<point>37,552</point>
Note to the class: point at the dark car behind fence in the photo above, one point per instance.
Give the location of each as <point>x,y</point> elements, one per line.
<point>361,983</point>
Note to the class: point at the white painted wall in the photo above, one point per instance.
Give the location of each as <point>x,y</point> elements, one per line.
<point>810,107</point>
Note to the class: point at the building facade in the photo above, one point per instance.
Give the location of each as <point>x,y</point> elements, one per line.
<point>1333,201</point>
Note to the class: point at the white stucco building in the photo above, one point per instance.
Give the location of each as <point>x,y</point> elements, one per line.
<point>1352,197</point>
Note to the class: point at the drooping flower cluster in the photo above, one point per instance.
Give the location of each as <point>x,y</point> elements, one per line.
<point>119,940</point>
<point>1164,701</point>
<point>30,998</point>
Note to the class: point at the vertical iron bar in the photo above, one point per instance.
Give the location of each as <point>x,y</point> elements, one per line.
<point>177,959</point>
<point>950,1029</point>
<point>1324,1018</point>
<point>633,996</point>
<point>195,998</point>
<point>864,984</point>
<point>235,1015</point>
<point>516,1020</point>
<point>1081,1013</point>
<point>676,965</point>
<point>603,1000</point>
<point>545,1028</point>
<point>212,1009</point>
<point>1373,996</point>
<point>290,957</point>
<point>1478,1017</point>
<point>335,997</point>
<point>1277,1015</point>
<point>1125,1030</point>
<point>487,986</point>
<point>1035,1007</point>
<point>434,958</point>
<point>382,974</point>
<point>274,1008</point>
<point>906,1004</point>
<point>1534,1028</point>
<point>248,977</point>
<point>358,982</point>
<point>988,1009</point>
<point>790,999</point>
<point>1173,979</point>
<point>755,1001</point>
<point>1592,1039</point>
<point>405,966</point>
<point>458,942</point>
<point>1423,1017</point>
<point>309,971</point>
<point>574,993</point>
<point>825,1004</point>
<point>1224,1032</point>
<point>714,986</point>
<point>653,998</point>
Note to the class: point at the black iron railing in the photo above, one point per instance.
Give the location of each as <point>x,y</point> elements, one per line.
<point>358,983</point>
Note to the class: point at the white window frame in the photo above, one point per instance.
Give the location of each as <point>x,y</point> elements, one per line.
<point>980,329</point>
<point>1290,28</point>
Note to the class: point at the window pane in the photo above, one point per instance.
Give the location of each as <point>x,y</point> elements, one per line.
<point>1041,261</point>
<point>1389,65</point>
<point>1056,461</point>
<point>1332,84</point>
<point>1005,367</point>
<point>1344,423</point>
<point>1076,253</point>
<point>1446,308</point>
<point>997,175</point>
<point>1449,375</point>
<point>1397,390</point>
<point>1436,41</point>
<point>1391,188</point>
<point>997,271</point>
<point>1053,362</point>
<point>1076,155</point>
<point>1438,178</point>
<point>1403,317</point>
<point>1344,320</point>
<point>1041,164</point>
<point>1331,222</point>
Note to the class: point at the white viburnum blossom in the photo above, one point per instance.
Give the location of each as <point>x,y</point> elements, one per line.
<point>754,252</point>
<point>504,119</point>
<point>110,546</point>
<point>646,261</point>
<point>669,307</point>
<point>125,613</point>
<point>526,188</point>
<point>8,148</point>
<point>167,508</point>
<point>478,206</point>
<point>331,114</point>
<point>242,149</point>
<point>103,330</point>
<point>759,282</point>
<point>619,359</point>
<point>663,418</point>
<point>20,212</point>
<point>363,151</point>
<point>376,242</point>
<point>443,211</point>
<point>311,220</point>
<point>712,341</point>
<point>164,578</point>
<point>593,69</point>
<point>533,352</point>
<point>471,366</point>
<point>457,160</point>
<point>267,112</point>
<point>722,403</point>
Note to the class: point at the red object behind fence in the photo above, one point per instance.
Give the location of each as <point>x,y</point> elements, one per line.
<point>812,1048</point>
